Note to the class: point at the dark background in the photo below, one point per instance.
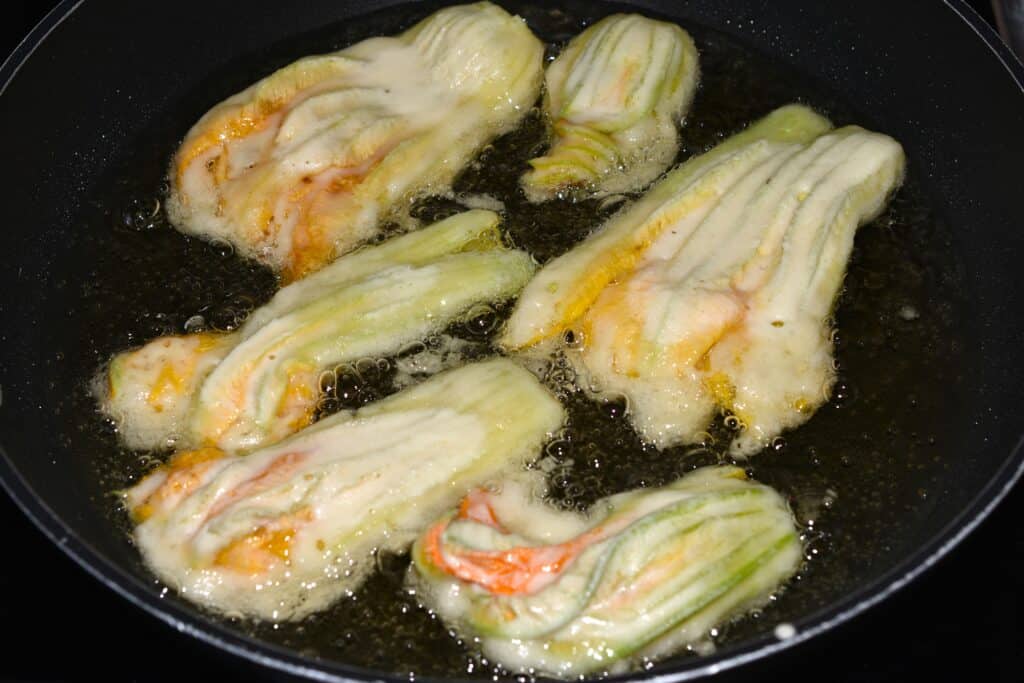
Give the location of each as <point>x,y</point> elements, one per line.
<point>958,621</point>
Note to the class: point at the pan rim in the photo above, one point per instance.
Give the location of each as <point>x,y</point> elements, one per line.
<point>214,634</point>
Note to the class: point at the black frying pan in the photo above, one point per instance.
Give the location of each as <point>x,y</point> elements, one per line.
<point>928,78</point>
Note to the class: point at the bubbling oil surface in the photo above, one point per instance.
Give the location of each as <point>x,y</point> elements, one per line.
<point>857,475</point>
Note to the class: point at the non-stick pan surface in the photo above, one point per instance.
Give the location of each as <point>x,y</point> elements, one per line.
<point>956,109</point>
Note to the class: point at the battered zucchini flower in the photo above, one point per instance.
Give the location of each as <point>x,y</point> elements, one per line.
<point>714,290</point>
<point>644,573</point>
<point>614,100</point>
<point>284,531</point>
<point>261,383</point>
<point>310,161</point>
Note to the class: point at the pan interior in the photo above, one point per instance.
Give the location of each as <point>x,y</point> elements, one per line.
<point>866,476</point>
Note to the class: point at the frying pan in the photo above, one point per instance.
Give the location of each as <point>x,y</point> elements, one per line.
<point>933,76</point>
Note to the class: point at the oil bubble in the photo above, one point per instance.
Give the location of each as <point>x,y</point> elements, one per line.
<point>196,323</point>
<point>327,380</point>
<point>908,313</point>
<point>733,423</point>
<point>615,407</point>
<point>223,248</point>
<point>842,394</point>
<point>558,448</point>
<point>481,321</point>
<point>140,215</point>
